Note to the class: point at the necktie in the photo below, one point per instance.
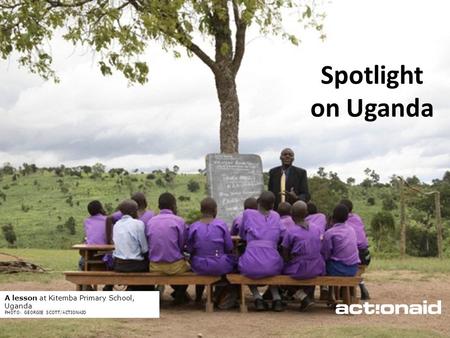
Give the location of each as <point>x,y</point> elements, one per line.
<point>283,186</point>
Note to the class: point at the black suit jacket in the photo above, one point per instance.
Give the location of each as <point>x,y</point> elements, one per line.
<point>296,179</point>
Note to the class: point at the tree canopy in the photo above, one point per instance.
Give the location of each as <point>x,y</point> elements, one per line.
<point>120,30</point>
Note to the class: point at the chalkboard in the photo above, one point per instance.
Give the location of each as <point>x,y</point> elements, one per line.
<point>231,180</point>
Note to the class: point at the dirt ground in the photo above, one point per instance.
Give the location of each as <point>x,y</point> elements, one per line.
<point>393,287</point>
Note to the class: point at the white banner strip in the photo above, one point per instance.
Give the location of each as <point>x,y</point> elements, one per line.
<point>75,304</point>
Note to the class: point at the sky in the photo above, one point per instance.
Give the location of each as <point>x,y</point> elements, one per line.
<point>174,118</point>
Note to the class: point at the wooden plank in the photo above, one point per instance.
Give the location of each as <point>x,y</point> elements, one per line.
<point>93,247</point>
<point>111,278</point>
<point>286,280</point>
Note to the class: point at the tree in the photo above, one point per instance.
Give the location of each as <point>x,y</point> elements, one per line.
<point>7,169</point>
<point>351,181</point>
<point>119,31</point>
<point>321,172</point>
<point>98,170</point>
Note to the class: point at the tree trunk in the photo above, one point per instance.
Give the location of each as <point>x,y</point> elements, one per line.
<point>229,107</point>
<point>402,221</point>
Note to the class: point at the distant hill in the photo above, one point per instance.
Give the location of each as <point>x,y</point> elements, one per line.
<point>46,207</point>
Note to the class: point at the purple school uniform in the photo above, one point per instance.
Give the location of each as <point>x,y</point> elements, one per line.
<point>339,244</point>
<point>286,222</point>
<point>262,233</point>
<point>236,225</point>
<point>210,246</point>
<point>357,224</point>
<point>304,247</point>
<point>145,217</point>
<point>94,228</point>
<point>318,221</point>
<point>166,236</point>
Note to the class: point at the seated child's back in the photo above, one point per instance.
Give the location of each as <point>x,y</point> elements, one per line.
<point>209,243</point>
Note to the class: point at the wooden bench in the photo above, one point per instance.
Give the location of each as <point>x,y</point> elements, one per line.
<point>348,283</point>
<point>81,278</point>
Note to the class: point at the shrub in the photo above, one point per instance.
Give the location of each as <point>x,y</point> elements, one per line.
<point>184,198</point>
<point>69,200</point>
<point>382,225</point>
<point>25,208</point>
<point>70,225</point>
<point>371,201</point>
<point>193,186</point>
<point>9,234</point>
<point>159,182</point>
<point>388,203</point>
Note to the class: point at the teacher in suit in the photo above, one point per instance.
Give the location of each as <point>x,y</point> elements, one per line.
<point>287,182</point>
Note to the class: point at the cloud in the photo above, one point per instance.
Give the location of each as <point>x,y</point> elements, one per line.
<point>174,119</point>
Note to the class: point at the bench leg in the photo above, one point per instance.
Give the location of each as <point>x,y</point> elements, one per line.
<point>332,291</point>
<point>336,292</point>
<point>209,304</point>
<point>354,299</point>
<point>243,307</point>
<point>347,298</point>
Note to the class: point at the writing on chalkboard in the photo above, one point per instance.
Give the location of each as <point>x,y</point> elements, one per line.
<point>232,179</point>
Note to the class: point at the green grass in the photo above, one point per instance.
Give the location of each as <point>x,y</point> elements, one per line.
<point>36,204</point>
<point>419,264</point>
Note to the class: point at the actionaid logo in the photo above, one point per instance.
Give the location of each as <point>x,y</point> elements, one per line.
<point>390,309</point>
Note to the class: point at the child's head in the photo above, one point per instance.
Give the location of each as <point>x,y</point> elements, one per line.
<point>340,213</point>
<point>140,199</point>
<point>284,209</point>
<point>348,204</point>
<point>312,208</point>
<point>208,207</point>
<point>95,208</point>
<point>299,210</point>
<point>250,203</point>
<point>167,201</point>
<point>129,207</point>
<point>266,200</point>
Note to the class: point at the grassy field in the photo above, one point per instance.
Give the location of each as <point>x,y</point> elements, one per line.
<point>38,205</point>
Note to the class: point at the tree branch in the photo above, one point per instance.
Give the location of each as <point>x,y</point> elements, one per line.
<point>58,3</point>
<point>184,40</point>
<point>241,28</point>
